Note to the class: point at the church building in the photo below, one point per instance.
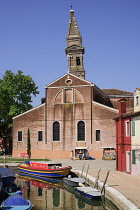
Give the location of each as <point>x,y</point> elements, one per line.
<point>74,114</point>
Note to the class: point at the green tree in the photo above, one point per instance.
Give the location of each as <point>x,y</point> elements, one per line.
<point>28,144</point>
<point>16,91</point>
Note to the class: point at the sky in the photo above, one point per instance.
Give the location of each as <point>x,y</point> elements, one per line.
<point>33,39</point>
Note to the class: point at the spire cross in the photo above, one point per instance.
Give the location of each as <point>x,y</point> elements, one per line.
<point>71,6</point>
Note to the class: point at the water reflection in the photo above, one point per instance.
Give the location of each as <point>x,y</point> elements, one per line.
<point>56,197</point>
<point>53,195</point>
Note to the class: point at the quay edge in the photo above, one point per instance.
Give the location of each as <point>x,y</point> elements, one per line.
<point>111,194</point>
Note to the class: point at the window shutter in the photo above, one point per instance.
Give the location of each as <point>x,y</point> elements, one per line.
<point>133,157</point>
<point>133,128</point>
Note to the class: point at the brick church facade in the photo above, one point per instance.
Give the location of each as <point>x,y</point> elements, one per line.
<point>75,113</point>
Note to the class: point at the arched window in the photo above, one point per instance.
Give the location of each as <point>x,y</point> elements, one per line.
<point>81,131</point>
<point>56,131</point>
<point>77,61</point>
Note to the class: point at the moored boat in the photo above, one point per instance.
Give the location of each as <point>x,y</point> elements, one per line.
<point>41,169</point>
<point>7,176</point>
<point>11,189</point>
<point>93,202</point>
<point>69,188</point>
<point>16,202</point>
<point>88,192</point>
<point>74,181</point>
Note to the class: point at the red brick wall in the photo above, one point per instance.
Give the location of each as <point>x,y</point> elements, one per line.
<point>68,115</point>
<point>35,121</point>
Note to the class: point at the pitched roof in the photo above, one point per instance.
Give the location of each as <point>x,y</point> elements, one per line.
<point>68,75</point>
<point>132,114</point>
<point>116,92</point>
<point>30,110</point>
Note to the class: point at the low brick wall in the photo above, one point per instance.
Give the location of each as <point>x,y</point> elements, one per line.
<point>54,154</point>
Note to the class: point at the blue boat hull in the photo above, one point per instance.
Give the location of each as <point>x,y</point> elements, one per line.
<point>37,178</point>
<point>16,208</point>
<point>90,194</point>
<point>40,174</point>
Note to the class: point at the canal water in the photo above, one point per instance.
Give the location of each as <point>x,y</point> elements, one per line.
<point>55,194</point>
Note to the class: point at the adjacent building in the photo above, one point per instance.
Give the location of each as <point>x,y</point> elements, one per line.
<point>135,118</point>
<point>128,137</point>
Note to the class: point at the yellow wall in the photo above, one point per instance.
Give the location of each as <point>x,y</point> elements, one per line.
<point>136,138</point>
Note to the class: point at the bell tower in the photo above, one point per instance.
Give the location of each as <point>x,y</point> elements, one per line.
<point>74,49</point>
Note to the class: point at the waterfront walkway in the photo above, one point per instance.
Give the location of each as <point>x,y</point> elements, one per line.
<point>127,185</point>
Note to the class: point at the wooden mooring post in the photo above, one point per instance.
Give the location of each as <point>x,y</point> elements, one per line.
<point>96,180</point>
<point>87,171</point>
<point>82,170</point>
<point>103,188</point>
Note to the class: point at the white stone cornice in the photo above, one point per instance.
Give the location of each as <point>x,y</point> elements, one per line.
<point>29,111</point>
<point>107,107</point>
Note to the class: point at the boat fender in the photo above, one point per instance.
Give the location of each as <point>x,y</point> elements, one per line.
<point>19,192</point>
<point>81,185</point>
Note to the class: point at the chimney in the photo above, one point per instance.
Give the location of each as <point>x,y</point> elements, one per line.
<point>122,106</point>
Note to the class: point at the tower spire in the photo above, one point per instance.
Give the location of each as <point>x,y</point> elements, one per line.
<point>73,34</point>
<point>74,49</point>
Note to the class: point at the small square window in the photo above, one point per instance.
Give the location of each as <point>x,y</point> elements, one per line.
<point>19,135</point>
<point>77,61</point>
<point>40,136</point>
<point>98,135</point>
<point>127,128</point>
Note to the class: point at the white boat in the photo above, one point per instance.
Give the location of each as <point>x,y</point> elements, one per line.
<point>73,181</point>
<point>88,192</point>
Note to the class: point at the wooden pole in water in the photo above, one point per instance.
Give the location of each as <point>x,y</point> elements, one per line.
<point>96,181</point>
<point>105,181</point>
<point>82,170</point>
<point>87,171</point>
<point>4,157</point>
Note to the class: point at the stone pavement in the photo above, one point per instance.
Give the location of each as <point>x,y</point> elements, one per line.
<point>127,185</point>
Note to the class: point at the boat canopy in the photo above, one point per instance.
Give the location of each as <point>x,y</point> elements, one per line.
<point>6,172</point>
<point>108,148</point>
<point>16,200</point>
<point>81,147</point>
